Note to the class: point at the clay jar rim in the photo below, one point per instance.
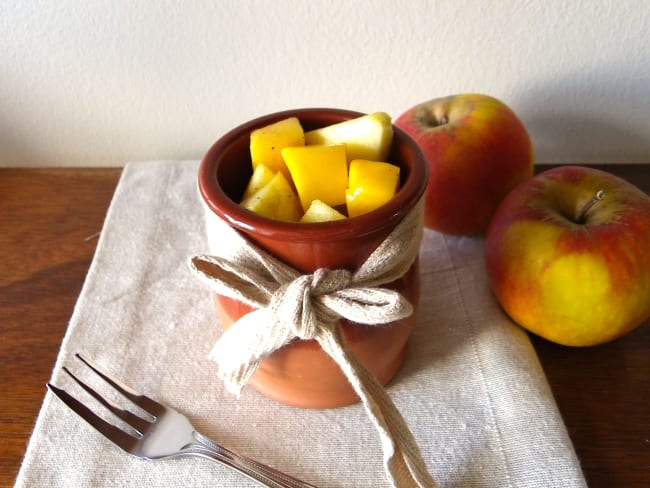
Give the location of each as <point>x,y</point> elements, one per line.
<point>404,151</point>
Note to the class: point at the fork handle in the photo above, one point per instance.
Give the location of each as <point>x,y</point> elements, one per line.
<point>265,475</point>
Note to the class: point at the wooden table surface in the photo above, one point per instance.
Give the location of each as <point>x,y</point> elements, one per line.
<point>49,222</point>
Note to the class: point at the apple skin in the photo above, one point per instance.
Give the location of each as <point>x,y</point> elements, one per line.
<point>576,282</point>
<point>477,150</point>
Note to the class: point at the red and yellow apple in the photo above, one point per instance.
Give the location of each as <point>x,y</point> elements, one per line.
<point>477,150</point>
<point>568,255</point>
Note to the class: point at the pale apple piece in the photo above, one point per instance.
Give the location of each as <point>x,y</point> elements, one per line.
<point>266,143</point>
<point>366,137</point>
<point>318,173</point>
<point>275,200</point>
<point>260,177</point>
<point>319,211</point>
<point>371,185</point>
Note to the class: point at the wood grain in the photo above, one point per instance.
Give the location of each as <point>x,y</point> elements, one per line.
<point>49,220</point>
<point>48,217</point>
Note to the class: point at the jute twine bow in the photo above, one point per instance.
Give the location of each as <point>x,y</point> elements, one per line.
<point>289,304</point>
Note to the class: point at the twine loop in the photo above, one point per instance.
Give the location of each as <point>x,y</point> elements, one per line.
<point>299,304</point>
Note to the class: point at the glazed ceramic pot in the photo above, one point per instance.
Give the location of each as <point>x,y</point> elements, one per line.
<point>301,373</point>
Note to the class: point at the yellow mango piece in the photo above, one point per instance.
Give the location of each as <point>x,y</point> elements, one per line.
<point>275,200</point>
<point>260,177</point>
<point>366,137</point>
<point>267,142</point>
<point>318,173</point>
<point>319,211</point>
<point>371,185</point>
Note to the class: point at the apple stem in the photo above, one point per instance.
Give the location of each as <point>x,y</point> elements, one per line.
<point>600,194</point>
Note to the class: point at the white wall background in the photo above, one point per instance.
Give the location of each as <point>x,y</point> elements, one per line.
<point>103,82</point>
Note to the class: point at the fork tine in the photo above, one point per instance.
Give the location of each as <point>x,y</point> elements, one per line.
<point>123,439</point>
<point>138,423</point>
<point>152,407</point>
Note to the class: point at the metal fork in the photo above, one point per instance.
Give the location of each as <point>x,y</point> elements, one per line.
<point>166,434</point>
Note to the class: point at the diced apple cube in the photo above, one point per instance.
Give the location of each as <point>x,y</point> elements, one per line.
<point>371,185</point>
<point>319,211</point>
<point>275,200</point>
<point>366,137</point>
<point>266,143</point>
<point>318,173</point>
<point>261,176</point>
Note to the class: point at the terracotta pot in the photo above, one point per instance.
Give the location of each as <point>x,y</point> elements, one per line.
<point>300,373</point>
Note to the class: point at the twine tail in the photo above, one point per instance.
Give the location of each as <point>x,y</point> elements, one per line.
<point>240,349</point>
<point>403,462</point>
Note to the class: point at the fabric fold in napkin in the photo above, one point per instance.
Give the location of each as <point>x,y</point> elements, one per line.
<point>472,389</point>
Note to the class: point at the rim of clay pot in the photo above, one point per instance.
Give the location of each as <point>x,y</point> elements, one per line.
<point>404,151</point>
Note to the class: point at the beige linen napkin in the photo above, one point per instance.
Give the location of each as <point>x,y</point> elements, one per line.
<point>471,390</point>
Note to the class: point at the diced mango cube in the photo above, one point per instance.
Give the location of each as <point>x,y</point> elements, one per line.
<point>275,200</point>
<point>267,142</point>
<point>319,211</point>
<point>261,176</point>
<point>366,137</point>
<point>371,185</point>
<point>318,172</point>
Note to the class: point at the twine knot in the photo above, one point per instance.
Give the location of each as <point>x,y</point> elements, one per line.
<point>299,306</point>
